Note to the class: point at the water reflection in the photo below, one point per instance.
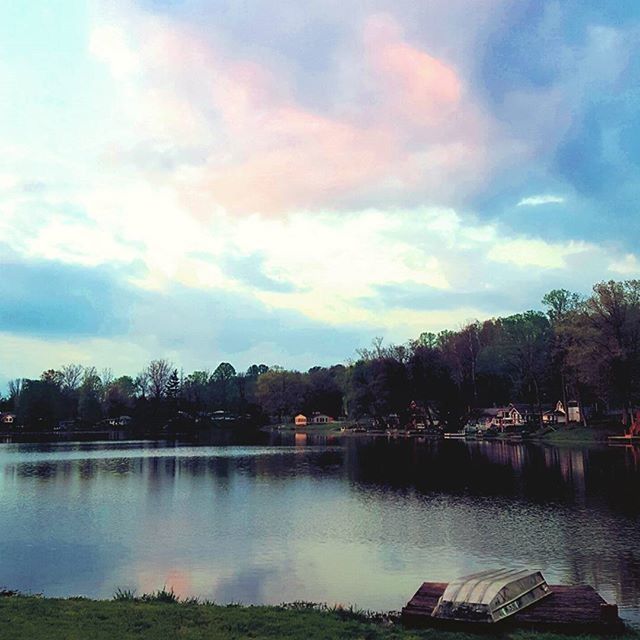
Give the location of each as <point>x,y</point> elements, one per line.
<point>354,520</point>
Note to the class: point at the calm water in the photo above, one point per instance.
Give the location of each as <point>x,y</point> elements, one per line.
<point>358,521</point>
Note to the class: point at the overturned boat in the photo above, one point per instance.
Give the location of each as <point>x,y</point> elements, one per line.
<point>491,596</point>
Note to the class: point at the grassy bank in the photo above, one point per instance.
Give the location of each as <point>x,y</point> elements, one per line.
<point>36,618</point>
<point>593,434</point>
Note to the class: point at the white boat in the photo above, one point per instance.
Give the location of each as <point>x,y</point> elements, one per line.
<point>491,596</point>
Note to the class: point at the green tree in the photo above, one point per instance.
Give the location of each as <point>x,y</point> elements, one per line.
<point>40,406</point>
<point>222,377</point>
<point>562,306</point>
<point>119,396</point>
<point>527,345</point>
<point>280,392</point>
<point>606,341</point>
<point>90,392</point>
<point>173,387</point>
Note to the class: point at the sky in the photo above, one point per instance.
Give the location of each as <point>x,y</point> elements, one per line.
<point>280,182</point>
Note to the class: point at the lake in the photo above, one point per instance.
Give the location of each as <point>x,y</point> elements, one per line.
<point>358,521</point>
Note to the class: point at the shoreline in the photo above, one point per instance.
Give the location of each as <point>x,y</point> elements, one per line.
<point>578,436</point>
<point>574,435</point>
<point>163,615</point>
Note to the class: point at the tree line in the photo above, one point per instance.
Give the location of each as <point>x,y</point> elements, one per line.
<point>583,348</point>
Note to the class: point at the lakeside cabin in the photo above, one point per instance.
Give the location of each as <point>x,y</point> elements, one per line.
<point>321,418</point>
<point>518,415</point>
<point>7,418</point>
<point>501,418</point>
<point>316,418</point>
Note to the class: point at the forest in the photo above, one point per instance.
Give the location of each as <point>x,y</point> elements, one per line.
<point>583,348</point>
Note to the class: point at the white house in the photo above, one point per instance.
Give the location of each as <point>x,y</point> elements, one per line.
<point>320,418</point>
<point>501,417</point>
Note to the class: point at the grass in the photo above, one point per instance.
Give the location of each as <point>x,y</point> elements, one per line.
<point>163,616</point>
<point>593,434</point>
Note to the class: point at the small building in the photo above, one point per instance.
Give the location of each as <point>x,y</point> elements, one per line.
<point>300,420</point>
<point>501,418</point>
<point>7,418</point>
<point>573,411</point>
<point>556,415</point>
<point>321,418</point>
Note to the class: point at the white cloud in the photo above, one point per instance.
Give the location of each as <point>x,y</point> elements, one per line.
<point>628,265</point>
<point>536,201</point>
<point>533,252</point>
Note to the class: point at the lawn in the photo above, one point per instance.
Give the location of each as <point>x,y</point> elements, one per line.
<point>594,433</point>
<point>35,618</point>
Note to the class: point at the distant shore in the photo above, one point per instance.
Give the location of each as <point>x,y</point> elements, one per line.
<point>597,433</point>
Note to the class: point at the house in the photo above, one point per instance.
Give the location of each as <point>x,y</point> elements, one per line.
<point>300,420</point>
<point>320,418</point>
<point>501,417</point>
<point>556,415</point>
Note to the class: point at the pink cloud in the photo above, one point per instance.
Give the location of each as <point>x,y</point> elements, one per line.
<point>408,125</point>
<point>306,160</point>
<point>415,86</point>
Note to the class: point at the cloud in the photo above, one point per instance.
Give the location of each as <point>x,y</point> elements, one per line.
<point>230,181</point>
<point>532,252</point>
<point>230,131</point>
<point>51,299</point>
<point>628,265</point>
<point>536,201</point>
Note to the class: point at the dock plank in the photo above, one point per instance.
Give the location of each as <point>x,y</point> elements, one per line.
<point>570,609</point>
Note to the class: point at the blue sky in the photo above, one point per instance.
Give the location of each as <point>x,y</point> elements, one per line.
<point>280,182</point>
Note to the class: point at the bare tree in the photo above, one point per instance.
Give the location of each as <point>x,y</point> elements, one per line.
<point>107,377</point>
<point>15,389</point>
<point>158,372</point>
<point>71,375</point>
<point>141,383</point>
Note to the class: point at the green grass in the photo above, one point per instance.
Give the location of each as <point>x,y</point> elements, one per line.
<point>593,434</point>
<point>161,616</point>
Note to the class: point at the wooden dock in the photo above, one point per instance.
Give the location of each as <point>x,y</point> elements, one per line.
<point>569,609</point>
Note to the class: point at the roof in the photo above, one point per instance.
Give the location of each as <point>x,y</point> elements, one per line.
<point>492,411</point>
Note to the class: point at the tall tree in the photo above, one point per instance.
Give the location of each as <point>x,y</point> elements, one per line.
<point>173,387</point>
<point>562,306</point>
<point>222,377</point>
<point>280,392</point>
<point>158,373</point>
<point>90,393</point>
<point>71,376</point>
<point>612,314</point>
